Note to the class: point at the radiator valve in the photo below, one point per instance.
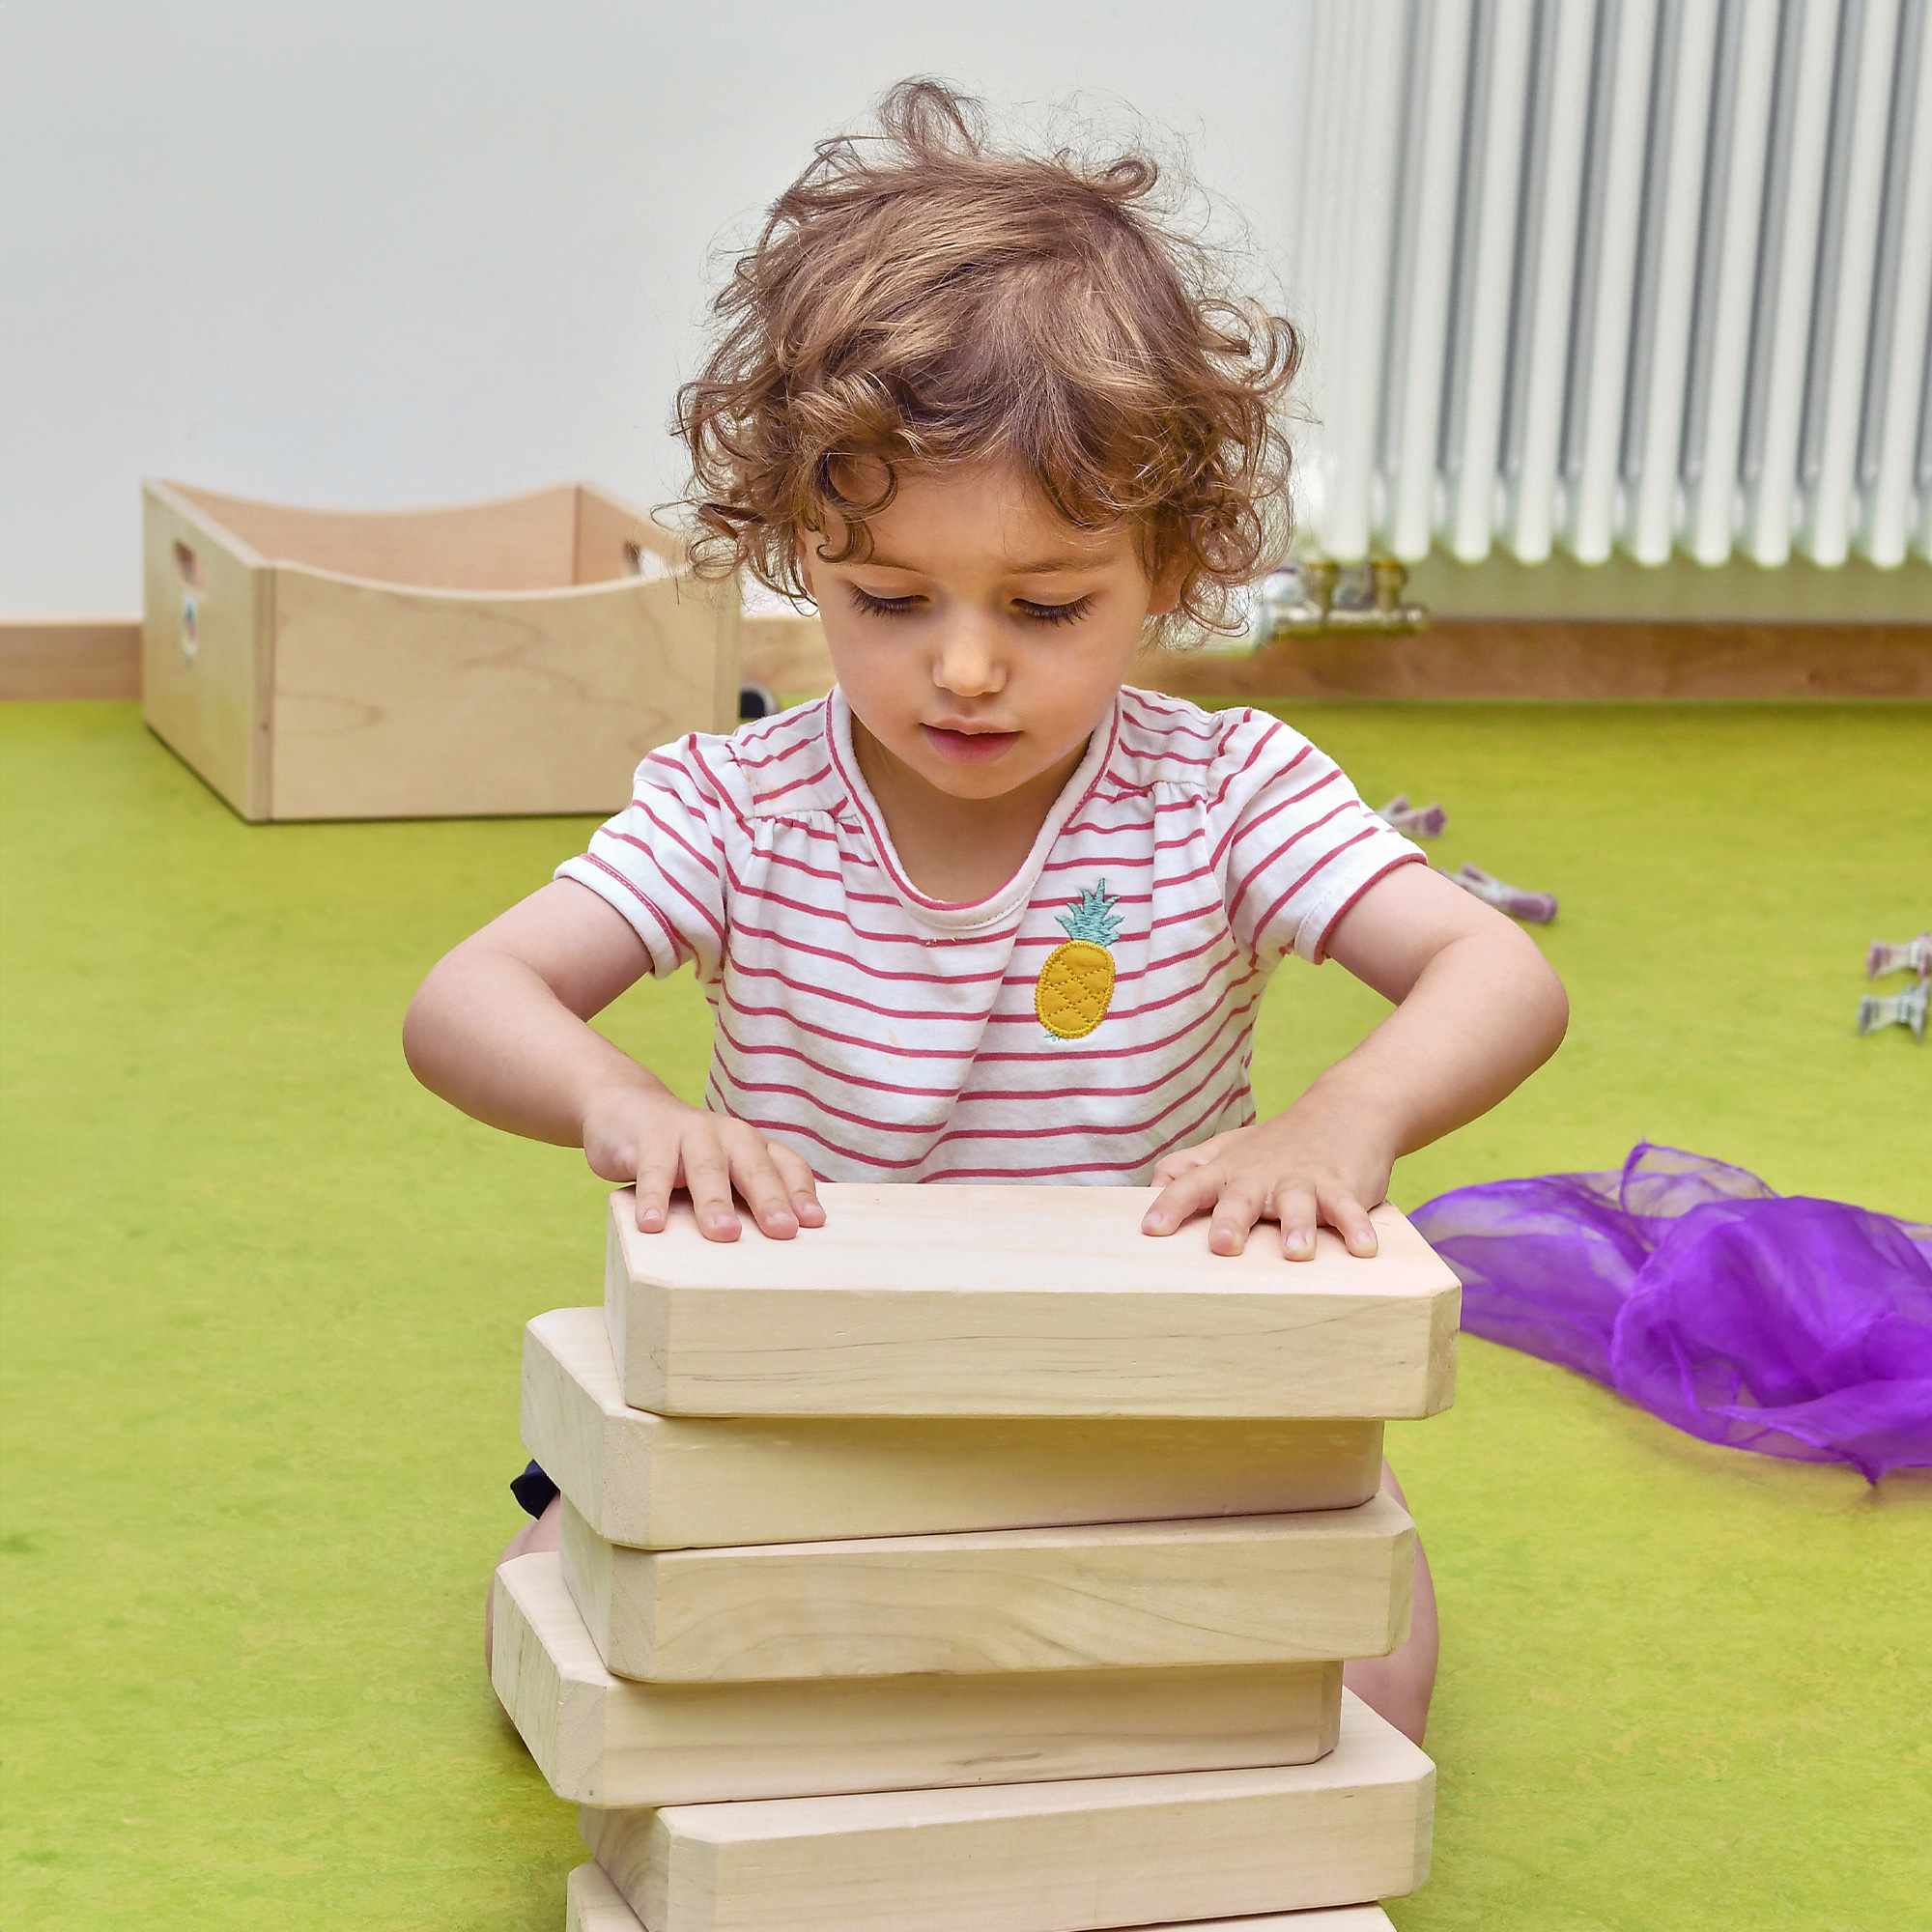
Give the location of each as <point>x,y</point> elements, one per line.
<point>1317,594</point>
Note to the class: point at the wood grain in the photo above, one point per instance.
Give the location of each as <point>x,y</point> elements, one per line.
<point>55,659</point>
<point>1242,1590</point>
<point>593,1904</point>
<point>1476,658</point>
<point>788,654</point>
<point>1072,1857</point>
<point>604,1740</point>
<point>1485,658</point>
<point>406,704</point>
<point>596,1905</point>
<point>467,674</point>
<point>675,1482</point>
<point>1010,1300</point>
<point>606,529</point>
<point>507,544</point>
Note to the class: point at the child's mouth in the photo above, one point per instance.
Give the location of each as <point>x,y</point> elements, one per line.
<point>967,748</point>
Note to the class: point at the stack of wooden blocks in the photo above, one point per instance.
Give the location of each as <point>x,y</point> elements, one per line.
<point>975,1564</point>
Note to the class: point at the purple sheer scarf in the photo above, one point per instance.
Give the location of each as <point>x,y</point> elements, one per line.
<point>1792,1326</point>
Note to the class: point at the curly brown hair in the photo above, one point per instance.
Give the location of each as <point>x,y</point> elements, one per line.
<point>919,297</point>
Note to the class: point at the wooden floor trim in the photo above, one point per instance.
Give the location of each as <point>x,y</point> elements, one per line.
<point>69,657</point>
<point>84,657</point>
<point>1466,658</point>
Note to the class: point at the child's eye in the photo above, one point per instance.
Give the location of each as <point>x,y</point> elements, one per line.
<point>1053,613</point>
<point>883,607</point>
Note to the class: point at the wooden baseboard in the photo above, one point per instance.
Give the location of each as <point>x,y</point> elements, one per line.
<point>83,657</point>
<point>1468,658</point>
<point>69,657</point>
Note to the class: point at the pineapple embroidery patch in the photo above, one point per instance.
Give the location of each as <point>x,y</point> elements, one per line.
<point>1077,981</point>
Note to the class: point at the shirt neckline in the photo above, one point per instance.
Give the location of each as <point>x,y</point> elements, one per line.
<point>1014,895</point>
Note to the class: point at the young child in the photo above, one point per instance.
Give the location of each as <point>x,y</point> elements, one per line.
<point>995,417</point>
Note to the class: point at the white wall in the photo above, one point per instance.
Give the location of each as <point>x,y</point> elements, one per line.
<point>378,253</point>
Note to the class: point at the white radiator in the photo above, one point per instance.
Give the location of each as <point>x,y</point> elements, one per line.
<point>1645,274</point>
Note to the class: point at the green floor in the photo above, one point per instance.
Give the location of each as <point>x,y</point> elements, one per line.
<point>262,1301</point>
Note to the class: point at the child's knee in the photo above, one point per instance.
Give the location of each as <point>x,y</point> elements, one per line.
<point>1390,1486</point>
<point>1397,1689</point>
<point>541,1533</point>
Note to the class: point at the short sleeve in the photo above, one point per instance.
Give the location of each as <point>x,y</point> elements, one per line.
<point>661,862</point>
<point>1299,847</point>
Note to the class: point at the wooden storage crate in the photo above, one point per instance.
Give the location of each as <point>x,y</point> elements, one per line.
<point>510,657</point>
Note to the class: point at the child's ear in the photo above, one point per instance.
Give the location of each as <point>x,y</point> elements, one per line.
<point>1168,585</point>
<point>804,540</point>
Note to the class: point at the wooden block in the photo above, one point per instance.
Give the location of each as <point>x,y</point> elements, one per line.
<point>675,1482</point>
<point>593,1904</point>
<point>1022,1301</point>
<point>491,658</point>
<point>605,1739</point>
<point>786,652</point>
<point>1072,1857</point>
<point>1224,1590</point>
<point>596,1905</point>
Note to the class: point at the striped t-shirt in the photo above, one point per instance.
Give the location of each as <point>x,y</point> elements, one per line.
<point>1094,1013</point>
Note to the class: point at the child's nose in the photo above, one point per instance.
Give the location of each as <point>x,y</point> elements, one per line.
<point>968,665</point>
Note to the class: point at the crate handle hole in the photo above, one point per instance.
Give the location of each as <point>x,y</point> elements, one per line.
<point>189,567</point>
<point>642,563</point>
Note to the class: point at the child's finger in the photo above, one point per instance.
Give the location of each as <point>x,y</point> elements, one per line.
<point>709,1182</point>
<point>656,1177</point>
<point>1238,1211</point>
<point>1295,1208</point>
<point>756,1177</point>
<point>1350,1220</point>
<point>1183,1195</point>
<point>798,1176</point>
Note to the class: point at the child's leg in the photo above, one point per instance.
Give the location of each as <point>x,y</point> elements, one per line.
<point>541,1533</point>
<point>1398,1687</point>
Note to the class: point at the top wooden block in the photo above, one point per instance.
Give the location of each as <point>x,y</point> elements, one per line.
<point>1023,1301</point>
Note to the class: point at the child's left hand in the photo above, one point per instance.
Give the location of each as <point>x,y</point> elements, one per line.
<point>1296,1168</point>
<point>1476,1008</point>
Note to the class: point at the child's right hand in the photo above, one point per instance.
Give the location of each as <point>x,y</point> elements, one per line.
<point>661,1143</point>
<point>502,1029</point>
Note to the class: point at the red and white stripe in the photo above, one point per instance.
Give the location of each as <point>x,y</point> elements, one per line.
<point>888,1035</point>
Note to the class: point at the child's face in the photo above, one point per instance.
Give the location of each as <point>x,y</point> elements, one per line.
<point>984,639</point>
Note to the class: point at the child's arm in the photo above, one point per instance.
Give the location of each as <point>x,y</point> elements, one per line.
<point>1477,1011</point>
<point>500,1029</point>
